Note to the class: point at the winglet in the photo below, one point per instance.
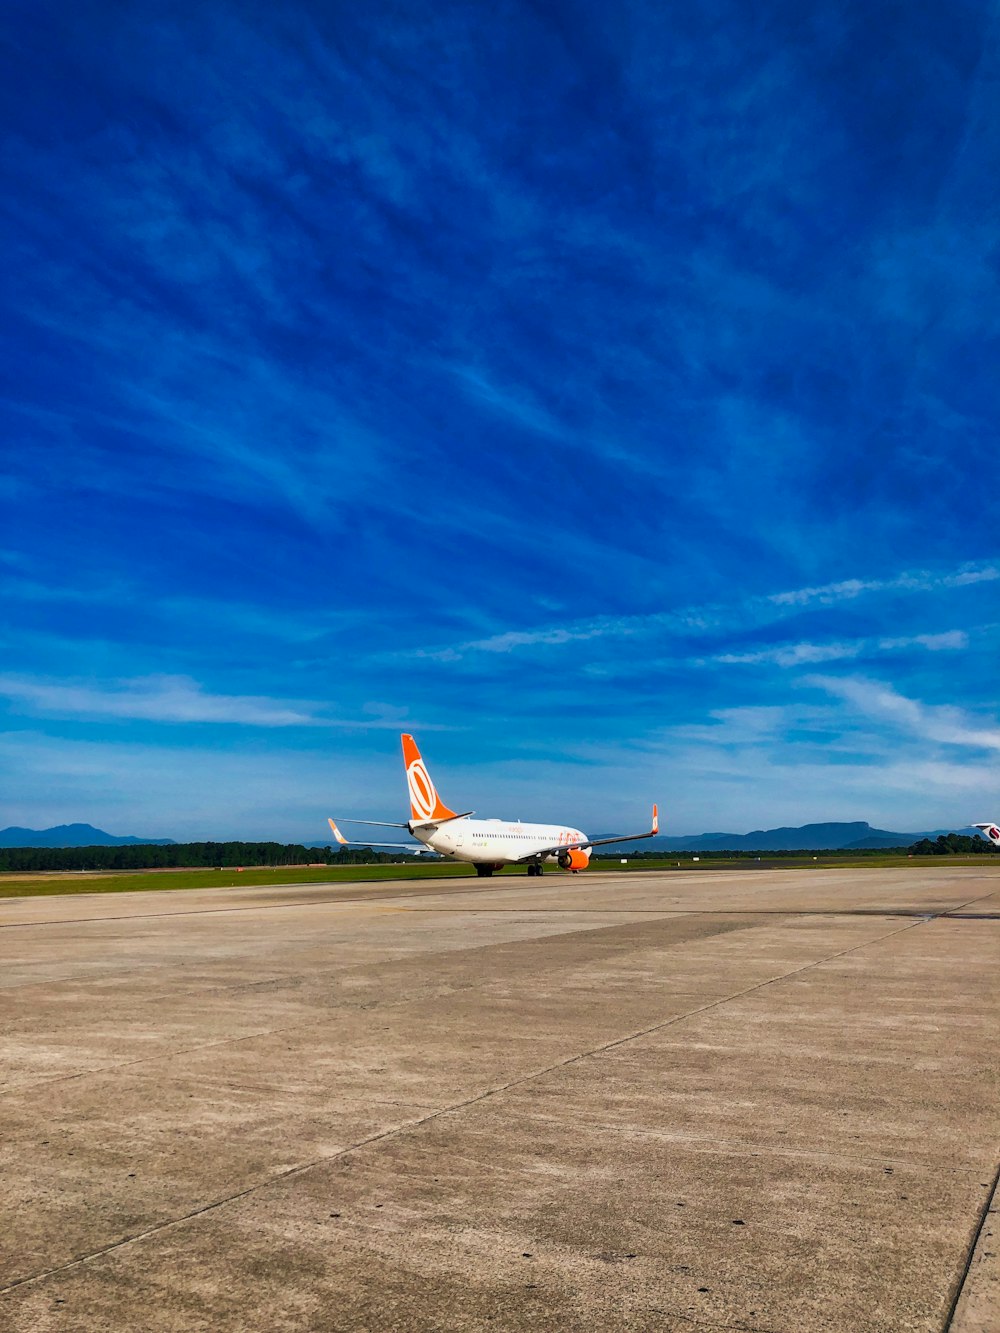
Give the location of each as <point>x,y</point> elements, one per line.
<point>337,833</point>
<point>656,820</point>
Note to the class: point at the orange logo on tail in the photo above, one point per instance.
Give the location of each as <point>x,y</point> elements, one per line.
<point>425,803</point>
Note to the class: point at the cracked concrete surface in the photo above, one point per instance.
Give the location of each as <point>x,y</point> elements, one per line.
<point>762,1100</point>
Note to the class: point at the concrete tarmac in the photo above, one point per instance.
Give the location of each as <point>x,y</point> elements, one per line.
<point>761,1100</point>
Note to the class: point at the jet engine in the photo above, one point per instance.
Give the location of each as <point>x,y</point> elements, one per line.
<point>575,860</point>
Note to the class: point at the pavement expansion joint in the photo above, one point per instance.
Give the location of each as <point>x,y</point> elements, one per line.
<point>988,1210</point>
<point>550,1133</point>
<point>450,1110</point>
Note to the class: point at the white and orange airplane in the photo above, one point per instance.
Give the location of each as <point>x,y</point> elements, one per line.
<point>991,831</point>
<point>489,844</point>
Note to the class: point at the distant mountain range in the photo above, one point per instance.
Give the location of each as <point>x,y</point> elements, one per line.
<point>73,835</point>
<point>856,836</point>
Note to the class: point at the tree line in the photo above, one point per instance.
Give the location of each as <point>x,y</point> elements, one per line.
<point>952,844</point>
<point>756,854</point>
<point>186,855</point>
<point>212,855</point>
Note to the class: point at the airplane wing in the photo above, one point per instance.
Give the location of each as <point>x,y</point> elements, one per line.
<point>398,846</point>
<point>594,842</point>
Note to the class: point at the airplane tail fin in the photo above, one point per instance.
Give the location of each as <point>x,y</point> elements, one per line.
<point>991,831</point>
<point>425,803</point>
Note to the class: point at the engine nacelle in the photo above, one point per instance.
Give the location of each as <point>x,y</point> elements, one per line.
<point>577,859</point>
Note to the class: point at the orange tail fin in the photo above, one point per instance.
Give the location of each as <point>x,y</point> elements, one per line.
<point>425,803</point>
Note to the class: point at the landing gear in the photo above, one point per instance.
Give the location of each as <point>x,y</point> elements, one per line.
<point>534,868</point>
<point>483,871</point>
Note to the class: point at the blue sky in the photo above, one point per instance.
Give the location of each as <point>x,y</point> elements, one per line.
<point>607,394</point>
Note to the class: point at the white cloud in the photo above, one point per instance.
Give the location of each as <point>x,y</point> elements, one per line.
<point>934,643</point>
<point>801,654</point>
<point>578,631</point>
<point>757,767</point>
<point>917,581</point>
<point>154,699</point>
<point>179,699</point>
<point>744,725</point>
<point>942,723</point>
<point>752,611</point>
<point>192,792</point>
<point>793,654</point>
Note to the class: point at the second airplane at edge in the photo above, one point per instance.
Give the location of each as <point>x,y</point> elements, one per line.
<point>488,844</point>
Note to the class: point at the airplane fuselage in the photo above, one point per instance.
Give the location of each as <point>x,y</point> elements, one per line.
<point>488,844</point>
<point>494,842</point>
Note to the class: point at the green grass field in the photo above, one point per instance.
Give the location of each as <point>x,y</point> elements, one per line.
<point>17,885</point>
<point>88,881</point>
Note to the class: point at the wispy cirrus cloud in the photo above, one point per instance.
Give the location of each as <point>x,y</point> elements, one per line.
<point>31,590</point>
<point>832,594</point>
<point>153,699</point>
<point>509,640</point>
<point>942,723</point>
<point>741,614</point>
<point>515,386</point>
<point>805,654</point>
<point>735,766</point>
<point>181,700</point>
<point>192,789</point>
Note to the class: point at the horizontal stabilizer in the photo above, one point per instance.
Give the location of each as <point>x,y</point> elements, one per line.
<point>375,823</point>
<point>354,842</point>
